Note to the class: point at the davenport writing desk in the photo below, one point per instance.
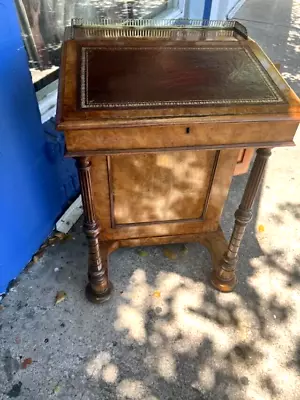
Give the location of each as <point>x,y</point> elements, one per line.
<point>156,116</point>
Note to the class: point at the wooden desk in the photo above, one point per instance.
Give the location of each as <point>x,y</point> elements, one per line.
<point>156,118</point>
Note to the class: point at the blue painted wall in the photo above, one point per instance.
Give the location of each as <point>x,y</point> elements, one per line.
<point>35,180</point>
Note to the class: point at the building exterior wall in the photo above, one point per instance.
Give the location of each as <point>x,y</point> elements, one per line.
<point>220,8</point>
<point>195,9</point>
<point>209,9</point>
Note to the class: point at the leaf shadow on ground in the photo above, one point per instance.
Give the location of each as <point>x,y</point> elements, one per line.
<point>179,338</point>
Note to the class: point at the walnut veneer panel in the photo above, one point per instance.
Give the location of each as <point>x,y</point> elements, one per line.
<point>104,202</point>
<point>249,134</point>
<point>100,189</point>
<point>161,187</point>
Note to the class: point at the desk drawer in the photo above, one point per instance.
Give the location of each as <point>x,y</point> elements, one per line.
<point>214,135</point>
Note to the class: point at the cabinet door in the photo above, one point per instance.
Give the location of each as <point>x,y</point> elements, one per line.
<point>161,187</point>
<point>162,193</point>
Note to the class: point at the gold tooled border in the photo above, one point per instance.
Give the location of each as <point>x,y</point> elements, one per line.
<point>85,103</point>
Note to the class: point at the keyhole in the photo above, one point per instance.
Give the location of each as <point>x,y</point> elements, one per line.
<point>187,130</point>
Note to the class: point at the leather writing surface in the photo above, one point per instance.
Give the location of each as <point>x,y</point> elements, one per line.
<point>113,77</point>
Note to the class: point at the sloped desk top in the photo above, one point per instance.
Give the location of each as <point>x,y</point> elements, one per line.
<point>113,79</point>
<point>164,76</point>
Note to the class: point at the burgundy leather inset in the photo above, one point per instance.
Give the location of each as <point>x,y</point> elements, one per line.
<point>128,76</point>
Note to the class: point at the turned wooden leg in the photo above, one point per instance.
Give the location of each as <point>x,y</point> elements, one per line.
<point>223,276</point>
<point>99,288</point>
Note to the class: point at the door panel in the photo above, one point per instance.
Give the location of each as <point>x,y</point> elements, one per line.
<point>129,192</point>
<point>161,187</point>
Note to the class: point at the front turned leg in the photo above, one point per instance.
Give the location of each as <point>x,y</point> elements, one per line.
<point>223,276</point>
<point>99,288</point>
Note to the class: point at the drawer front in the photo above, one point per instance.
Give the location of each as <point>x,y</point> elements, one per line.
<point>252,134</point>
<point>244,161</point>
<point>160,194</point>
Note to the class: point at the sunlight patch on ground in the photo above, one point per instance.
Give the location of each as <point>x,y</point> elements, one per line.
<point>173,328</point>
<point>134,389</point>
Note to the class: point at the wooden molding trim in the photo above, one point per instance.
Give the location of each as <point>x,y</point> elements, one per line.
<point>87,153</point>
